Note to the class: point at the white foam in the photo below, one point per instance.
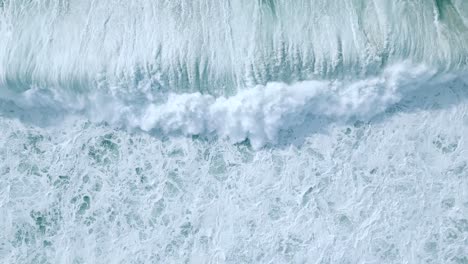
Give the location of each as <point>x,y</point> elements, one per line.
<point>390,192</point>
<point>261,112</point>
<point>257,114</point>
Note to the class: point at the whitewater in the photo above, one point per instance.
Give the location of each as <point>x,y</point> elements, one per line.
<point>239,131</point>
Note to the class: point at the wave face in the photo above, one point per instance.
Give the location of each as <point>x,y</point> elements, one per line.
<point>241,131</point>
<point>216,47</point>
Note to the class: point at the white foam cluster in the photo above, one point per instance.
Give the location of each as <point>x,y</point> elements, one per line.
<point>258,114</point>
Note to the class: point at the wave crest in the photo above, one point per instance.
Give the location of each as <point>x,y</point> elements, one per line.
<point>258,114</point>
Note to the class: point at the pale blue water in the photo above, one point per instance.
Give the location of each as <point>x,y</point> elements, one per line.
<point>233,131</point>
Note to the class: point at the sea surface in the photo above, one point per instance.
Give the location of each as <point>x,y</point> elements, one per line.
<point>236,131</point>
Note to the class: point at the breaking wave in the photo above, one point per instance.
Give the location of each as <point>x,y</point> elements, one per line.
<point>257,114</point>
<point>352,119</point>
<point>239,70</point>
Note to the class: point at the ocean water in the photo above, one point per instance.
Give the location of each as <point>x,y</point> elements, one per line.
<point>261,131</point>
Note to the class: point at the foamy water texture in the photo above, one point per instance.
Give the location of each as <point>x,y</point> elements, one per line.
<point>240,131</point>
<point>392,190</point>
<point>388,187</point>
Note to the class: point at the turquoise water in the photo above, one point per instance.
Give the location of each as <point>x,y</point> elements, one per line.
<point>233,132</point>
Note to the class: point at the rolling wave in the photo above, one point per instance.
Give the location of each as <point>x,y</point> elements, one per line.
<point>219,47</point>
<point>258,114</point>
